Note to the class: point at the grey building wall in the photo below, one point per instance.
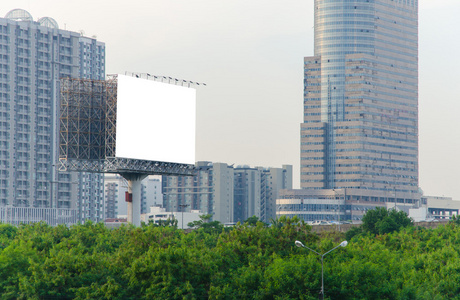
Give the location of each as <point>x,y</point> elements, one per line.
<point>276,179</point>
<point>151,194</point>
<point>222,205</point>
<point>246,193</point>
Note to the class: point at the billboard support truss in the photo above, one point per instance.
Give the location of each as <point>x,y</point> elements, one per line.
<point>126,165</point>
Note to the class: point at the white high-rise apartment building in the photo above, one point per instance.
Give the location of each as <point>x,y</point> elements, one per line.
<point>34,55</point>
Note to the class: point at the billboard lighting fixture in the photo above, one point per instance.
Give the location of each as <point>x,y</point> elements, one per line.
<point>159,77</point>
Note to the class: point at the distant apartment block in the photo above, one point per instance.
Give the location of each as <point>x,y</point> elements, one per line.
<point>115,200</point>
<point>230,194</point>
<point>34,55</point>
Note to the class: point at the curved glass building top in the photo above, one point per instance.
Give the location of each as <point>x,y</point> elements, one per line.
<point>19,15</point>
<point>344,27</point>
<point>48,22</point>
<point>384,28</point>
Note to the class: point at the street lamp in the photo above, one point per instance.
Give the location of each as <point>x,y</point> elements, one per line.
<point>342,244</point>
<point>182,206</point>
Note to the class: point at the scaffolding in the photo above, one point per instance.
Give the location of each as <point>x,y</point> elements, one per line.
<point>82,119</point>
<point>88,123</point>
<point>111,88</point>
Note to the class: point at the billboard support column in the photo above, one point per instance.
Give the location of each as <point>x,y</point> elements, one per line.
<point>134,188</point>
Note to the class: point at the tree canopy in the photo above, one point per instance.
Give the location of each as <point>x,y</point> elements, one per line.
<point>248,261</point>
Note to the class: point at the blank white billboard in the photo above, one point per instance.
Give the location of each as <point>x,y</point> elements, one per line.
<point>155,121</point>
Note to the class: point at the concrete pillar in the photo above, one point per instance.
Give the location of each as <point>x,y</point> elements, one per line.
<point>134,187</point>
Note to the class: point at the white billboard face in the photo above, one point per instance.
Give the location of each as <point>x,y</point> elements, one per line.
<point>155,121</point>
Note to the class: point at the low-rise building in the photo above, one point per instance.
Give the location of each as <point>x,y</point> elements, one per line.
<point>158,214</point>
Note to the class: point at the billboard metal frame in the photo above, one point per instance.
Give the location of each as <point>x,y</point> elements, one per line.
<point>88,132</point>
<point>125,166</point>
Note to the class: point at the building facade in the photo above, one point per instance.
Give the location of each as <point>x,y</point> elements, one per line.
<point>440,208</point>
<point>115,200</point>
<point>246,193</point>
<point>34,55</point>
<point>360,128</point>
<point>230,194</point>
<point>159,214</point>
<point>209,191</point>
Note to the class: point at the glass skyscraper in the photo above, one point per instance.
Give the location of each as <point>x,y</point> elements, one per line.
<point>360,129</point>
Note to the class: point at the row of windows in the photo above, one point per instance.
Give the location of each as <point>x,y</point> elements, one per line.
<point>389,161</point>
<point>391,95</point>
<point>413,3</point>
<point>378,163</point>
<point>345,15</point>
<point>394,154</point>
<point>388,138</point>
<point>368,48</point>
<point>382,55</point>
<point>383,70</point>
<point>380,100</point>
<point>385,86</point>
<point>363,144</point>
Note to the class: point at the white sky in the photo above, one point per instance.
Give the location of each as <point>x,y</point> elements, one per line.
<point>250,54</point>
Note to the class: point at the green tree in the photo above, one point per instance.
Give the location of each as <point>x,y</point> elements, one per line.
<point>252,221</point>
<point>207,225</point>
<point>381,221</point>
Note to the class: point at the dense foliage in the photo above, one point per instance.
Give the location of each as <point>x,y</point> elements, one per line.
<point>249,261</point>
<point>380,221</point>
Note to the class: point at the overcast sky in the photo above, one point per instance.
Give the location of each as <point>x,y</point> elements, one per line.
<point>250,54</point>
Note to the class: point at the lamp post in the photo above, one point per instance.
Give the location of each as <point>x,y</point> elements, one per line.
<point>342,244</point>
<point>182,206</point>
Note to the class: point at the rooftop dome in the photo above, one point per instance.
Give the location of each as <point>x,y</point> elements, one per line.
<point>19,15</point>
<point>48,22</point>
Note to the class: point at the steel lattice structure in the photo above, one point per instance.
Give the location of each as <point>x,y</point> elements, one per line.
<point>88,122</point>
<point>82,119</point>
<point>111,115</point>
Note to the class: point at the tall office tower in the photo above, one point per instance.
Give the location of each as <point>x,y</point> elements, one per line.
<point>360,129</point>
<point>34,55</point>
